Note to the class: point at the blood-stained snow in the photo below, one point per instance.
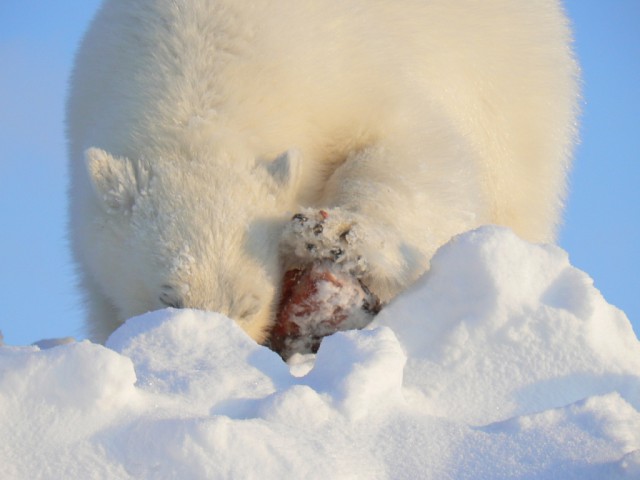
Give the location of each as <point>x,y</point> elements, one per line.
<point>502,362</point>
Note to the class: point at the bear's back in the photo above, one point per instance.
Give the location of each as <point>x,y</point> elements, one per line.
<point>327,77</point>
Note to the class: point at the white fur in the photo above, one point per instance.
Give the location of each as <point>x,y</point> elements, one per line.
<point>416,119</point>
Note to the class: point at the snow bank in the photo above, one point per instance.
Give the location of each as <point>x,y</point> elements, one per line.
<point>503,362</point>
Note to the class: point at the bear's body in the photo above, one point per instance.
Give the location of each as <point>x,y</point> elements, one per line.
<point>197,128</point>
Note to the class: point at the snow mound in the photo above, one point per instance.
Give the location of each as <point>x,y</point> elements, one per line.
<point>502,362</point>
<point>511,326</point>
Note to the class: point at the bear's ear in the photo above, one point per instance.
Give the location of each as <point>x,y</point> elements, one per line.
<point>286,169</point>
<point>113,179</point>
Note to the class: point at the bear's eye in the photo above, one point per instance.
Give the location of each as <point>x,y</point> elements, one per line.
<point>247,307</point>
<point>170,298</point>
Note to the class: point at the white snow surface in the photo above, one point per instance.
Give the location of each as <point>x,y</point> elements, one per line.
<point>502,362</point>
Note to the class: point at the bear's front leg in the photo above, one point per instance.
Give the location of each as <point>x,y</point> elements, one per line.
<point>385,211</point>
<point>388,207</point>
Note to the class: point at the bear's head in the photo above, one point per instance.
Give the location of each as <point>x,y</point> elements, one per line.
<point>197,234</point>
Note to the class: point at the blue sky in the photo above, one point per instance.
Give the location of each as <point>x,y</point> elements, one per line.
<point>38,298</point>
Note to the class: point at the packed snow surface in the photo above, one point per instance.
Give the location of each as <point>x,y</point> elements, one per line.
<point>502,362</point>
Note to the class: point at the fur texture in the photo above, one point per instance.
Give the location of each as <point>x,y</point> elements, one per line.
<point>197,128</point>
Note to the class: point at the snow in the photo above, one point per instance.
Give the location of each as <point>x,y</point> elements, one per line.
<point>502,362</point>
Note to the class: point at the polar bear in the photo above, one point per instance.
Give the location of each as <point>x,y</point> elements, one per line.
<point>200,129</point>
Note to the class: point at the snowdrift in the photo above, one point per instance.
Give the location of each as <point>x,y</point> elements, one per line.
<point>502,362</point>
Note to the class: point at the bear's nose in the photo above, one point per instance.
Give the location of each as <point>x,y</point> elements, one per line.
<point>171,296</point>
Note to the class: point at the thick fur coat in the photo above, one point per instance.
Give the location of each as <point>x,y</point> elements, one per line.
<point>197,128</point>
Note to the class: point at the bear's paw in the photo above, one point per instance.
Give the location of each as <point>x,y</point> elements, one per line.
<point>330,235</point>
